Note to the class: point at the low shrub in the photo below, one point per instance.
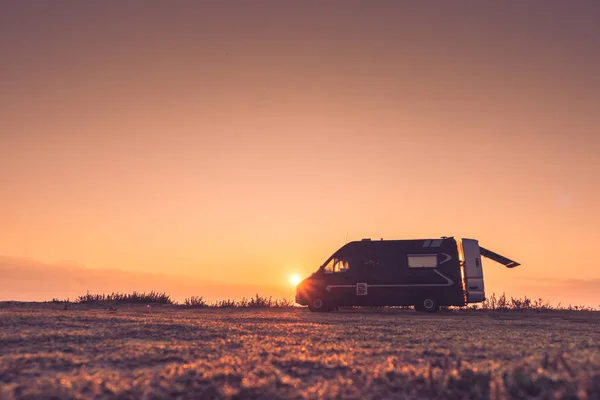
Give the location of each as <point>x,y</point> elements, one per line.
<point>254,302</point>
<point>126,298</point>
<point>502,303</point>
<point>195,302</point>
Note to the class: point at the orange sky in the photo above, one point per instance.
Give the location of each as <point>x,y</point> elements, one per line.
<point>241,142</point>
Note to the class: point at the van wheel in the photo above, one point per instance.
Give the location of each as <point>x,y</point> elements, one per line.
<point>317,305</point>
<point>428,305</point>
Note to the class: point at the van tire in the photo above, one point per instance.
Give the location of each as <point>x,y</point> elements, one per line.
<point>317,304</point>
<point>429,304</point>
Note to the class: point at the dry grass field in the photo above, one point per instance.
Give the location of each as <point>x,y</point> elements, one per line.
<point>83,351</point>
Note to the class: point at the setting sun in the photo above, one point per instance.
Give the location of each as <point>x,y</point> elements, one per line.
<point>295,279</point>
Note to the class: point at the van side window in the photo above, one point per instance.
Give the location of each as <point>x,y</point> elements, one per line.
<point>341,266</point>
<point>328,269</point>
<point>422,261</point>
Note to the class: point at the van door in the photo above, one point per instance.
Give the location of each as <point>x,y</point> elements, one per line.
<point>341,283</point>
<point>473,271</point>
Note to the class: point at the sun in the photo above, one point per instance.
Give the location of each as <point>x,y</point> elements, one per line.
<point>295,279</point>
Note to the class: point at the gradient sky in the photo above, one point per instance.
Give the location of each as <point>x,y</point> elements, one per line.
<point>242,141</point>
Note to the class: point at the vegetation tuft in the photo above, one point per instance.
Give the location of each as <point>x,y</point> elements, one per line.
<point>59,301</point>
<point>195,302</point>
<point>126,298</point>
<point>254,302</point>
<point>190,302</point>
<point>502,303</point>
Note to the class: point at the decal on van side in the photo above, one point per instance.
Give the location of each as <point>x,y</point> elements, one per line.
<point>372,263</point>
<point>448,258</point>
<point>449,282</point>
<point>328,288</point>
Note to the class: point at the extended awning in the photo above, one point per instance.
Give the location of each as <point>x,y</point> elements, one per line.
<point>508,263</point>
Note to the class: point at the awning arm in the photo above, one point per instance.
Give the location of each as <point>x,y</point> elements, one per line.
<point>508,263</point>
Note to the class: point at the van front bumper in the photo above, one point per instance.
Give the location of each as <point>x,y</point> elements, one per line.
<point>301,299</point>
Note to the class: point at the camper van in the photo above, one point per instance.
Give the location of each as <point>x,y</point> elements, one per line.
<point>424,273</point>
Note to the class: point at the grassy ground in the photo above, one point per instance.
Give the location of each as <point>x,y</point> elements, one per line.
<point>89,352</point>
